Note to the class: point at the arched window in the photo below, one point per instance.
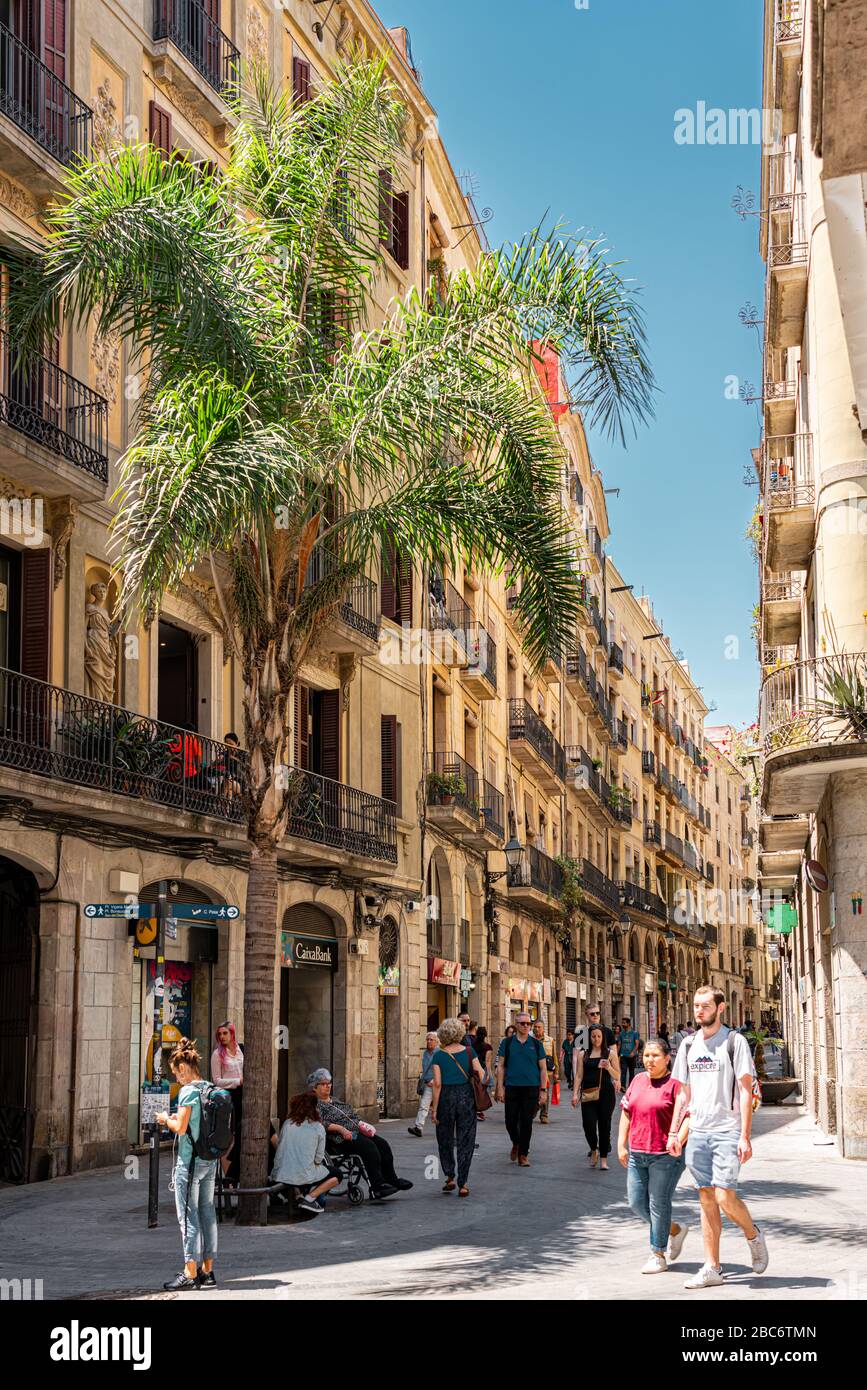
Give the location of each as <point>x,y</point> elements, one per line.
<point>533,950</point>
<point>516,947</point>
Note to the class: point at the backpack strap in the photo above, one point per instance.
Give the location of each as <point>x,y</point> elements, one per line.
<point>730,1048</point>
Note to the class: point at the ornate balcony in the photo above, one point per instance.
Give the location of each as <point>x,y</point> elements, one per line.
<point>601,894</point>
<point>46,110</point>
<point>536,881</point>
<point>65,418</point>
<point>648,762</point>
<point>462,803</point>
<point>615,661</point>
<point>479,677</point>
<point>780,401</point>
<point>652,834</point>
<point>578,679</point>
<point>672,848</point>
<point>788,41</point>
<point>813,721</point>
<point>781,609</point>
<point>192,51</point>
<point>534,746</point>
<point>636,899</point>
<point>592,791</point>
<point>450,622</point>
<point>788,489</point>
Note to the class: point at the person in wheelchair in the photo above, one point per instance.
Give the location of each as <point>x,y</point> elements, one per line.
<point>299,1159</point>
<point>347,1133</point>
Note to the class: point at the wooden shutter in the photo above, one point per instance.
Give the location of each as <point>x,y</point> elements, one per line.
<point>404,590</point>
<point>25,23</point>
<point>400,229</point>
<point>160,127</point>
<point>54,37</point>
<point>386,212</point>
<point>300,80</point>
<point>36,572</point>
<point>388,743</point>
<point>302,725</point>
<point>388,589</point>
<point>329,734</point>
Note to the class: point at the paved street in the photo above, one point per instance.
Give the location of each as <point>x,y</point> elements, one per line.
<point>556,1230</point>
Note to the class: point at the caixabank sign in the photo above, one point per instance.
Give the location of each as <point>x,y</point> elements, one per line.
<point>308,950</point>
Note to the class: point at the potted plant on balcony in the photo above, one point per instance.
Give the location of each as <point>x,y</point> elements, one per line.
<point>572,891</point>
<point>443,787</point>
<point>597,764</point>
<point>844,681</point>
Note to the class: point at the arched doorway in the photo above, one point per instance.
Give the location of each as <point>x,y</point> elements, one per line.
<point>19,989</point>
<point>388,1054</point>
<point>308,957</point>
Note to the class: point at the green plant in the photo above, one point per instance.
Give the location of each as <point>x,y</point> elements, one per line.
<point>446,784</point>
<point>754,531</point>
<point>842,679</point>
<point>270,389</point>
<point>572,891</point>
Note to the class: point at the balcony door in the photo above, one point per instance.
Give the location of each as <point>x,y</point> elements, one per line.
<point>317,750</point>
<point>177,676</point>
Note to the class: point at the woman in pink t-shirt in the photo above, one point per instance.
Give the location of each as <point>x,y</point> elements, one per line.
<point>652,1174</point>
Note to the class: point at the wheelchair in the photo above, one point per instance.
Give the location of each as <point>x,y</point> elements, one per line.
<point>350,1170</point>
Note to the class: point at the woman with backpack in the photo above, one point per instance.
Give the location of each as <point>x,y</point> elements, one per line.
<point>453,1110</point>
<point>193,1178</point>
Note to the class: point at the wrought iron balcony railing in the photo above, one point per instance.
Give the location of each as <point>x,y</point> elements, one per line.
<point>642,900</point>
<point>359,607</point>
<point>819,701</point>
<point>45,403</point>
<point>341,817</point>
<point>750,941</point>
<point>40,104</point>
<point>615,658</point>
<point>652,833</point>
<point>461,777</point>
<point>787,470</point>
<point>481,653</point>
<point>708,872</point>
<point>603,888</point>
<point>187,24</point>
<point>648,762</point>
<point>492,808</point>
<point>748,839</point>
<point>525,724</point>
<point>594,543</point>
<point>789,21</point>
<point>621,733</point>
<point>535,869</point>
<point>674,844</point>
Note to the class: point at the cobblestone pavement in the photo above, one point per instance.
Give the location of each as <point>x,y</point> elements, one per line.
<point>557,1229</point>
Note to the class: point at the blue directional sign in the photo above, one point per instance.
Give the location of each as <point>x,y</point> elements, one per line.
<point>204,912</point>
<point>128,910</point>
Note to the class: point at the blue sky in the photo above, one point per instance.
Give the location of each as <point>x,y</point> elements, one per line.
<point>573,112</point>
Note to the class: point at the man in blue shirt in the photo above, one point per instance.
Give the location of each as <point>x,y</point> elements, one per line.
<point>628,1052</point>
<point>522,1083</point>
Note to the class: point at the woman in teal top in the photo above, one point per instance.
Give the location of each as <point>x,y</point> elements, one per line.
<point>453,1109</point>
<point>193,1181</point>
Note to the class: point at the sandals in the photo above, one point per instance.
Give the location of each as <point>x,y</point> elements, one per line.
<point>464,1192</point>
<point>594,1158</point>
<point>449,1185</point>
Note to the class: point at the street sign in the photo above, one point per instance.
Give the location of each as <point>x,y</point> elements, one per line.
<point>128,910</point>
<point>204,912</point>
<point>816,876</point>
<point>146,931</point>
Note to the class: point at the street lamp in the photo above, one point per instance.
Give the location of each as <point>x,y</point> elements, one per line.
<point>513,852</point>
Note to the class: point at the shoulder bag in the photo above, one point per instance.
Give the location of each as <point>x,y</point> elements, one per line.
<point>589,1095</point>
<point>481,1093</point>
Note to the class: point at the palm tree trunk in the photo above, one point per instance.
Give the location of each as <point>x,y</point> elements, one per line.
<point>259,949</point>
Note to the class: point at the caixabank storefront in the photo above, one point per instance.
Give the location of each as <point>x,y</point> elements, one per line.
<point>308,965</point>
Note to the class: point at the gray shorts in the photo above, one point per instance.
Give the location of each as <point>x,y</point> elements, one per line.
<point>712,1158</point>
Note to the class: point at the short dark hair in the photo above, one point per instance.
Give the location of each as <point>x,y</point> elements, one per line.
<point>625,1018</point>
<point>230,737</point>
<point>662,1043</point>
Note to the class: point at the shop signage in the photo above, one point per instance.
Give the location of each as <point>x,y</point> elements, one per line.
<point>773,950</point>
<point>648,983</point>
<point>582,990</point>
<point>443,972</point>
<point>617,988</point>
<point>308,950</point>
<point>517,989</point>
<point>781,918</point>
<point>571,989</point>
<point>389,979</point>
<point>600,993</point>
<point>816,875</point>
<point>534,991</point>
<point>546,991</point>
<point>466,981</point>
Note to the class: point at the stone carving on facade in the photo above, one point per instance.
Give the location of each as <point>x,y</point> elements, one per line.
<point>14,198</point>
<point>100,645</point>
<point>185,106</point>
<point>347,667</point>
<point>420,137</point>
<point>64,511</point>
<point>107,128</point>
<point>344,33</point>
<point>105,355</point>
<point>257,38</point>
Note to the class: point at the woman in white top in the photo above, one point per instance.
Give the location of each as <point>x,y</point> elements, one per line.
<point>300,1153</point>
<point>227,1070</point>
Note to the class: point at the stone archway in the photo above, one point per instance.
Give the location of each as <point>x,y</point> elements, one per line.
<point>516,948</point>
<point>441,916</point>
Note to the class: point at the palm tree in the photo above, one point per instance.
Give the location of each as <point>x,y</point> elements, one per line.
<point>244,296</point>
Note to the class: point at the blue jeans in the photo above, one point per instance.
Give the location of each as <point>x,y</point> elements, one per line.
<point>194,1203</point>
<point>650,1183</point>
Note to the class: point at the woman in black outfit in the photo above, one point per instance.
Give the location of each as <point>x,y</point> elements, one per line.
<point>595,1076</point>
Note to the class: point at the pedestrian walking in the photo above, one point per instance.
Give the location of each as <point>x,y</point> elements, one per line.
<point>300,1157</point>
<point>467,1023</point>
<point>424,1085</point>
<point>522,1084</point>
<point>454,1103</point>
<point>484,1051</point>
<point>193,1178</point>
<point>593,1017</point>
<point>652,1173</point>
<point>550,1066</point>
<point>597,1078</point>
<point>628,1052</point>
<point>567,1049</point>
<point>227,1070</point>
<point>716,1070</point>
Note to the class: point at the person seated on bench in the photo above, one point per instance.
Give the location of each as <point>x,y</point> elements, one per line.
<point>300,1151</point>
<point>347,1133</point>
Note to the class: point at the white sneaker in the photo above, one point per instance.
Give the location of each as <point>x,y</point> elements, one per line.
<point>655,1265</point>
<point>759,1251</point>
<point>707,1278</point>
<point>675,1244</point>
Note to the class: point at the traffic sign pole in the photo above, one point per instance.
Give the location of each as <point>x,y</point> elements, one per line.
<point>159,1006</point>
